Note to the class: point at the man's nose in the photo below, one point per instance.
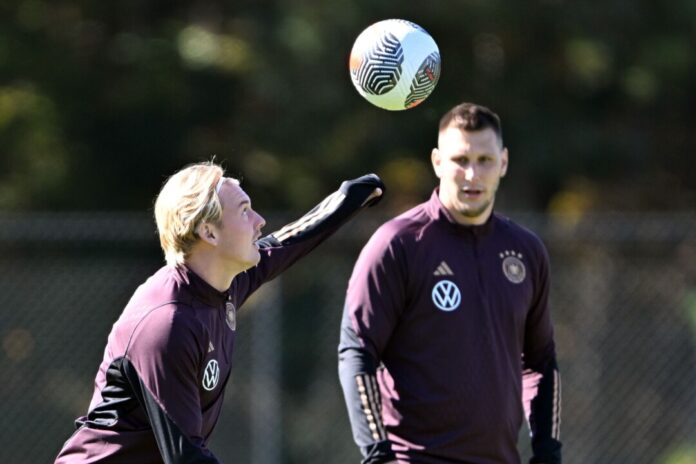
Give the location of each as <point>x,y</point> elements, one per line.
<point>262,222</point>
<point>469,173</point>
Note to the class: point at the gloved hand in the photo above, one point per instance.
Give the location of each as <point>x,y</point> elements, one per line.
<point>370,186</point>
<point>546,451</point>
<point>378,453</point>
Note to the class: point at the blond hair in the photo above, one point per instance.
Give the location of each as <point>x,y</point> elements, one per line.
<point>187,199</point>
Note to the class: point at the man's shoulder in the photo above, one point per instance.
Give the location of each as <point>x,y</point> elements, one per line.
<point>520,232</point>
<point>163,299</point>
<point>162,326</point>
<point>159,316</point>
<point>159,287</point>
<point>408,223</point>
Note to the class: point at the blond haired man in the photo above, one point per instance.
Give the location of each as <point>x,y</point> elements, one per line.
<point>159,390</point>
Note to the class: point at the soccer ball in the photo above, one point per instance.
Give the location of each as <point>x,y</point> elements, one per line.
<point>395,64</point>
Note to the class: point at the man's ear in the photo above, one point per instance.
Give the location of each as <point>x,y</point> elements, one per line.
<point>207,233</point>
<point>504,162</point>
<point>436,159</point>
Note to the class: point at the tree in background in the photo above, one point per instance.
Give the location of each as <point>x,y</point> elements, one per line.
<point>105,98</point>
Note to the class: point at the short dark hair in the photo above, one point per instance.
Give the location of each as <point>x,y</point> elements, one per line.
<point>472,117</point>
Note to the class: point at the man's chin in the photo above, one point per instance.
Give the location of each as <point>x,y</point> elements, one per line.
<point>252,262</point>
<point>473,212</point>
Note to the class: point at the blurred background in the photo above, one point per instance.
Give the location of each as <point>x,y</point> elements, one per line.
<point>101,101</point>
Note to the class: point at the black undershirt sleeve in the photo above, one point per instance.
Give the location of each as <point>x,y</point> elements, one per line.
<point>282,248</point>
<point>174,446</point>
<point>544,417</point>
<point>541,379</point>
<point>330,213</point>
<point>357,372</point>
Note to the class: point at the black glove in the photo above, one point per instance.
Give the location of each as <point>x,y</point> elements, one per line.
<point>378,453</point>
<point>369,188</point>
<point>548,452</point>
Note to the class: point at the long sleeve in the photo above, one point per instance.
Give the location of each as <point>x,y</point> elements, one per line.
<point>357,373</point>
<point>159,390</point>
<point>544,414</point>
<point>282,248</point>
<point>541,378</point>
<point>174,443</point>
<point>161,369</point>
<point>374,301</point>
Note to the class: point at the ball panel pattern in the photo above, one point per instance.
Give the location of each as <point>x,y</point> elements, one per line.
<point>424,80</point>
<point>380,68</point>
<point>407,23</point>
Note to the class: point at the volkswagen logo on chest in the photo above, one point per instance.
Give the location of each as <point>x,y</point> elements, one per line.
<point>211,375</point>
<point>446,295</point>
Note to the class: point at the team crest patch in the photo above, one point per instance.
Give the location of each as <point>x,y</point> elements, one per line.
<point>513,267</point>
<point>211,375</point>
<point>231,315</point>
<point>446,295</point>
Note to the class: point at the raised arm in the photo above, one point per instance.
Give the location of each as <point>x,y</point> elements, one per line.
<point>282,248</point>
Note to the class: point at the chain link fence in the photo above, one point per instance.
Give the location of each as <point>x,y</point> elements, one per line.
<point>623,296</point>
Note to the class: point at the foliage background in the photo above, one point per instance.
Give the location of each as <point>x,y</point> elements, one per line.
<point>99,102</point>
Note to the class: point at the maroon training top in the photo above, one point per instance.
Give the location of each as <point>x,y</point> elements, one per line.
<point>160,387</point>
<point>449,311</point>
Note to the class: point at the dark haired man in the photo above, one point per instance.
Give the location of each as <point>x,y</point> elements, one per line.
<point>446,332</point>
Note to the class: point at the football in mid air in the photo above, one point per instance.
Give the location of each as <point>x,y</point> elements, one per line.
<point>395,64</point>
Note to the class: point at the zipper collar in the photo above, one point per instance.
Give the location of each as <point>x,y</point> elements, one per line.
<point>439,213</point>
<point>201,289</point>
